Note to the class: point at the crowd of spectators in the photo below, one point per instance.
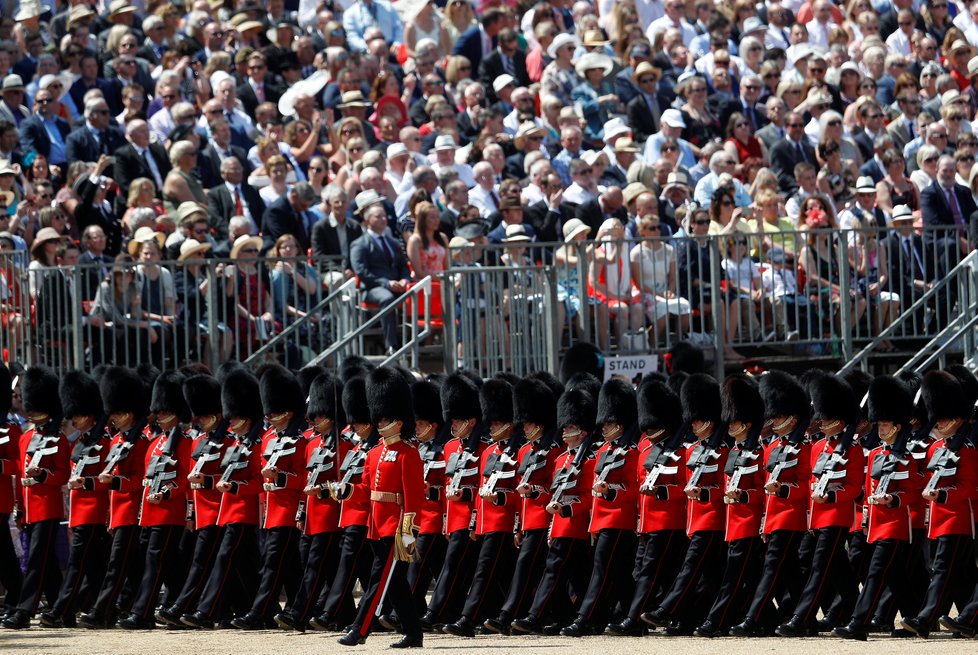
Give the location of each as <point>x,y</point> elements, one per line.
<point>385,136</point>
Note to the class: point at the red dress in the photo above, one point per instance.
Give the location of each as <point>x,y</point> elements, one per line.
<point>752,149</point>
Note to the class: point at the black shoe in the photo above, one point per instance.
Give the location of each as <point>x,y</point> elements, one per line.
<point>657,618</point>
<point>746,629</point>
<point>169,616</point>
<point>351,638</point>
<point>577,629</point>
<point>901,633</point>
<point>461,628</point>
<point>17,620</point>
<point>627,628</point>
<point>248,622</point>
<point>133,622</point>
<point>795,627</point>
<point>957,626</point>
<point>428,622</point>
<point>197,620</point>
<point>409,642</point>
<point>50,620</point>
<point>915,626</point>
<point>877,625</point>
<point>708,631</point>
<point>497,626</point>
<point>679,630</point>
<point>286,621</point>
<point>525,626</point>
<point>69,620</point>
<point>826,624</point>
<point>390,622</point>
<point>92,622</point>
<point>851,631</point>
<point>552,630</point>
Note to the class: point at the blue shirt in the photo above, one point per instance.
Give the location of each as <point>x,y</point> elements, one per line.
<point>652,153</point>
<point>363,15</point>
<point>706,186</point>
<point>58,154</point>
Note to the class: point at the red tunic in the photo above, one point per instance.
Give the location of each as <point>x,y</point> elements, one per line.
<point>322,511</point>
<point>282,500</point>
<point>9,471</point>
<point>664,508</point>
<point>842,509</point>
<point>126,488</point>
<point>243,503</point>
<point>575,526</point>
<point>90,506</point>
<point>789,509</point>
<point>43,500</point>
<point>355,510</point>
<point>393,469</point>
<point>918,506</point>
<point>207,501</point>
<point>618,509</point>
<point>172,510</point>
<point>744,516</point>
<point>491,514</point>
<point>892,522</point>
<point>460,513</point>
<point>953,511</point>
<point>707,513</point>
<point>533,512</point>
<point>433,507</point>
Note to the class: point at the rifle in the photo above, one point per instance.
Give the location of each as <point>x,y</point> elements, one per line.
<point>503,467</point>
<point>156,473</point>
<point>463,463</point>
<point>944,463</point>
<point>5,435</point>
<point>663,459</point>
<point>536,459</point>
<point>278,448</point>
<point>353,464</point>
<point>786,457</point>
<point>705,457</point>
<point>322,460</point>
<point>120,451</point>
<point>208,450</point>
<point>566,479</point>
<point>39,447</point>
<point>885,468</point>
<point>746,462</point>
<point>234,460</point>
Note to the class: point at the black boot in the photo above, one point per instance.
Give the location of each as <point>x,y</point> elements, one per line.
<point>18,619</point>
<point>916,626</point>
<point>50,620</point>
<point>286,621</point>
<point>956,626</point>
<point>197,620</point>
<point>795,627</point>
<point>92,622</point>
<point>525,626</point>
<point>409,642</point>
<point>657,618</point>
<point>851,631</point>
<point>708,630</point>
<point>248,622</point>
<point>461,628</point>
<point>498,626</point>
<point>351,638</point>
<point>169,616</point>
<point>133,622</point>
<point>627,628</point>
<point>579,628</point>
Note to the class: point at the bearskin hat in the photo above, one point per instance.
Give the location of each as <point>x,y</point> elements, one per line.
<point>686,357</point>
<point>40,391</point>
<point>676,380</point>
<point>306,375</point>
<point>783,395</point>
<point>741,401</point>
<point>241,395</point>
<point>354,366</point>
<point>616,404</point>
<point>226,368</point>
<point>460,398</point>
<point>890,400</point>
<point>969,384</point>
<point>534,402</point>
<point>700,397</point>
<point>281,392</point>
<point>168,397</point>
<point>585,381</point>
<point>859,381</point>
<point>833,399</point>
<point>389,397</point>
<point>582,357</point>
<point>944,396</point>
<point>203,395</point>
<point>355,400</point>
<point>496,401</point>
<point>148,374</point>
<point>325,398</point>
<point>658,406</point>
<point>79,395</point>
<point>427,402</point>
<point>123,391</point>
<point>912,381</point>
<point>577,407</point>
<point>555,385</point>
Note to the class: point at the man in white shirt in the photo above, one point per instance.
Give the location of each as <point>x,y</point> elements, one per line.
<point>444,157</point>
<point>820,26</point>
<point>484,194</point>
<point>675,17</point>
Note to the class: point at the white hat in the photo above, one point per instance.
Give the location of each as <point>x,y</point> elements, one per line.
<point>800,51</point>
<point>573,227</point>
<point>973,66</point>
<point>865,184</point>
<point>673,118</point>
<point>190,248</point>
<point>591,156</point>
<point>312,85</point>
<point>365,199</point>
<point>28,9</point>
<point>753,24</point>
<point>396,150</point>
<point>560,41</point>
<point>901,213</point>
<point>593,60</point>
<point>949,96</point>
<point>516,233</point>
<point>502,82</point>
<point>849,66</point>
<point>615,127</point>
<point>13,81</point>
<point>444,142</point>
<point>676,179</point>
<point>243,242</point>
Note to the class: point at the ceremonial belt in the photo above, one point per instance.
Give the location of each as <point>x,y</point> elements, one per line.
<point>387,497</point>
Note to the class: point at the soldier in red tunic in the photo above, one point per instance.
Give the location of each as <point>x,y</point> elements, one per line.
<point>838,467</point>
<point>395,477</point>
<point>661,477</point>
<point>283,457</point>
<point>44,462</point>
<point>164,509</point>
<point>11,578</point>
<point>125,397</point>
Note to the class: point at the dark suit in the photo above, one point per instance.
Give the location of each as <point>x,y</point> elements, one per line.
<point>492,67</point>
<point>593,215</point>
<point>376,269</point>
<point>514,168</point>
<point>110,91</point>
<point>737,105</point>
<point>465,126</point>
<point>936,210</point>
<point>129,165</point>
<point>82,146</point>
<point>546,224</point>
<point>91,277</point>
<point>872,169</point>
<point>865,145</point>
<point>644,124</point>
<point>33,136</point>
<point>281,218</point>
<point>249,99</point>
<point>87,214</point>
<point>769,135</point>
<point>417,113</point>
<point>221,208</point>
<point>326,241</point>
<point>211,165</point>
<point>469,44</point>
<point>784,156</point>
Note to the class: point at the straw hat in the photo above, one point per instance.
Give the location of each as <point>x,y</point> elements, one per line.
<point>244,241</point>
<point>43,236</point>
<point>901,213</point>
<point>191,248</point>
<point>594,38</point>
<point>516,233</point>
<point>526,129</point>
<point>560,41</point>
<point>312,85</point>
<point>593,60</point>
<point>573,227</point>
<point>645,68</point>
<point>144,235</point>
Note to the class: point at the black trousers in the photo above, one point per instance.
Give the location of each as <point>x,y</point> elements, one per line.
<point>122,573</point>
<point>337,599</point>
<point>455,576</point>
<point>11,577</point>
<point>611,582</point>
<point>886,569</point>
<point>493,570</point>
<point>233,578</point>
<point>161,566</point>
<point>567,569</point>
<point>953,568</point>
<point>43,574</point>
<point>279,568</point>
<point>915,580</point>
<point>530,563</point>
<point>745,558</point>
<point>656,561</point>
<point>780,576</point>
<point>206,545</point>
<point>431,549</point>
<point>321,559</point>
<point>859,553</point>
<point>85,570</point>
<point>830,576</point>
<point>697,582</point>
<point>388,583</point>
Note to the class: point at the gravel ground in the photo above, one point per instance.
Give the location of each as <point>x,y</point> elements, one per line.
<point>117,642</point>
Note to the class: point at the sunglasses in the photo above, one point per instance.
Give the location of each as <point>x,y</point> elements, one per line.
<point>350,130</point>
<point>741,125</point>
<point>669,148</point>
<point>646,80</point>
<point>834,123</point>
<point>727,203</point>
<point>703,221</point>
<point>249,250</point>
<point>654,228</point>
<point>816,70</point>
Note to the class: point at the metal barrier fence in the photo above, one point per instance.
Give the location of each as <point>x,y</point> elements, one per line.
<point>823,293</point>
